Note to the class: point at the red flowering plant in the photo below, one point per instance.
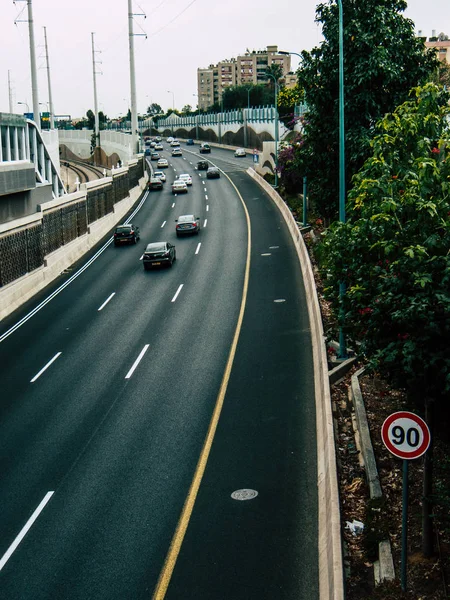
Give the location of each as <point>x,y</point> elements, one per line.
<point>394,251</point>
<point>289,165</point>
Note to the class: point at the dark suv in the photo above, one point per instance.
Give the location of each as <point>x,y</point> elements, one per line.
<point>202,165</point>
<point>126,234</point>
<point>205,149</point>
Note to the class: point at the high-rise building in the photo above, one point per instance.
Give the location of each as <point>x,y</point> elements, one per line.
<point>247,68</point>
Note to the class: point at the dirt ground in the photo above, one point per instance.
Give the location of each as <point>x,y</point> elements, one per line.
<point>427,578</point>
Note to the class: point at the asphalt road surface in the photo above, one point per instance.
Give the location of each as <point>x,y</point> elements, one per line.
<point>157,429</point>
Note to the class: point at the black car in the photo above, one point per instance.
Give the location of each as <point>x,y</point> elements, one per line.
<point>202,165</point>
<point>187,224</point>
<point>159,254</point>
<point>205,149</point>
<point>155,183</point>
<point>212,173</point>
<point>126,234</point>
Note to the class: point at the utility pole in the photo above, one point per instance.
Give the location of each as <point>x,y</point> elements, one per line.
<point>50,101</point>
<point>132,80</point>
<point>96,126</point>
<point>10,92</point>
<point>34,85</point>
<point>134,118</point>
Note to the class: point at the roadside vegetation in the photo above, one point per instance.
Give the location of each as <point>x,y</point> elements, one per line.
<point>393,251</point>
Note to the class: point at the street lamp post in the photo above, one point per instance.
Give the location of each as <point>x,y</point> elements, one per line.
<point>173,105</point>
<point>276,127</point>
<point>342,217</point>
<point>25,104</point>
<point>196,118</point>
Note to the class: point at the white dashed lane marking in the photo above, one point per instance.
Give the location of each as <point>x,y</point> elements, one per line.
<point>177,292</point>
<point>106,301</point>
<point>50,362</point>
<point>137,361</point>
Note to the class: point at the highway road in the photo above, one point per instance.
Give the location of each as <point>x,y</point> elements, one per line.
<point>157,429</point>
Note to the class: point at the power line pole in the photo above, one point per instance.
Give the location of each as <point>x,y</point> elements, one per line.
<point>10,92</point>
<point>34,85</point>
<point>134,118</point>
<point>94,73</point>
<point>50,100</point>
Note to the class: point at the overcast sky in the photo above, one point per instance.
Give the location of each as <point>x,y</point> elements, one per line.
<point>182,35</point>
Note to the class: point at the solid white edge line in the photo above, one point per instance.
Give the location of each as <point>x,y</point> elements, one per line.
<point>69,281</point>
<point>25,529</point>
<point>137,361</point>
<point>178,291</point>
<point>198,248</point>
<point>106,301</point>
<point>46,367</point>
<point>163,224</point>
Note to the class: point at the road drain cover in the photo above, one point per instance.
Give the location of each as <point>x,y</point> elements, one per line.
<point>244,494</point>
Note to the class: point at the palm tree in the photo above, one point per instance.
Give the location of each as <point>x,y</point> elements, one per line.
<point>276,71</point>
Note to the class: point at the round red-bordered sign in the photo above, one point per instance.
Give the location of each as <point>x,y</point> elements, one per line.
<point>405,435</point>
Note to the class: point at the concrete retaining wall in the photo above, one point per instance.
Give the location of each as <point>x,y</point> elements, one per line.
<point>14,294</point>
<point>331,576</point>
<point>112,142</point>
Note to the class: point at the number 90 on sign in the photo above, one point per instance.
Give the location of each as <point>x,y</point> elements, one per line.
<point>405,435</point>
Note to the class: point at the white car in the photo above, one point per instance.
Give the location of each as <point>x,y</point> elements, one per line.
<point>161,175</point>
<point>179,187</point>
<point>175,144</point>
<point>186,177</point>
<point>240,152</point>
<point>159,147</point>
<point>169,140</point>
<point>162,163</point>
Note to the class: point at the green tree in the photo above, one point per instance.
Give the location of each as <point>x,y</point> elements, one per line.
<point>154,109</point>
<point>187,109</point>
<point>90,119</point>
<point>239,96</point>
<point>288,99</point>
<point>275,70</point>
<point>383,60</point>
<point>393,252</point>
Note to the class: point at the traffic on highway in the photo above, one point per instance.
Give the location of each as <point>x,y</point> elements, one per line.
<point>157,428</point>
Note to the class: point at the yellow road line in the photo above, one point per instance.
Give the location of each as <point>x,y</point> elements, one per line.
<point>177,540</point>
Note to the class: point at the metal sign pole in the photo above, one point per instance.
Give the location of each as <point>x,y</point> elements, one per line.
<point>404,526</point>
<point>406,436</point>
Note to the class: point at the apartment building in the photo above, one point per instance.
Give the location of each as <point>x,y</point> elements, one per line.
<point>248,68</point>
<point>440,43</point>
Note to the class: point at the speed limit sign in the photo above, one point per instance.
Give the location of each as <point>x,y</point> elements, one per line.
<point>405,435</point>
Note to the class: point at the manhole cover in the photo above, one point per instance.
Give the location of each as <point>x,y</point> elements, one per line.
<point>244,494</point>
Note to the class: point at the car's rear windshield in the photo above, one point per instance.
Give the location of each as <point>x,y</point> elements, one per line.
<point>123,229</point>
<point>156,247</point>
